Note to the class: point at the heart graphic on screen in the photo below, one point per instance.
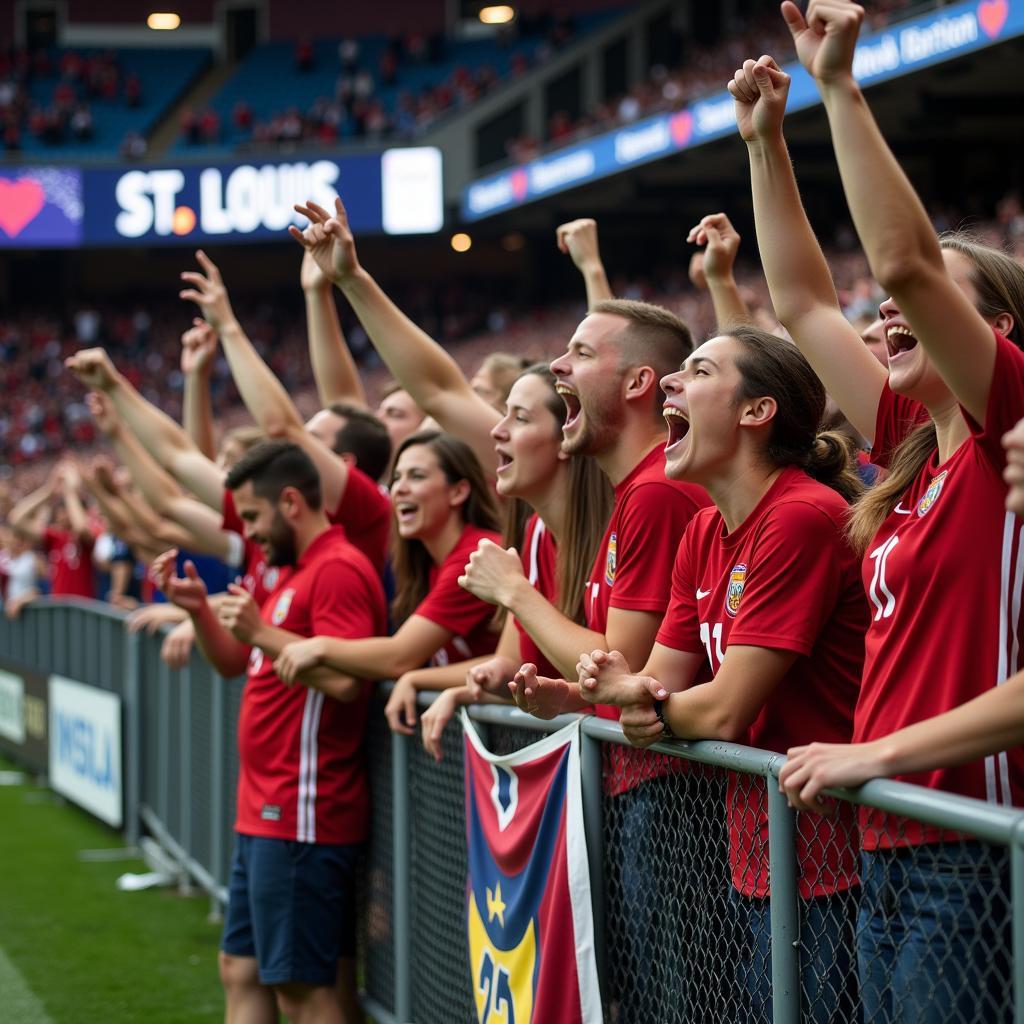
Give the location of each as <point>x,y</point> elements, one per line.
<point>20,202</point>
<point>992,15</point>
<point>681,127</point>
<point>520,185</point>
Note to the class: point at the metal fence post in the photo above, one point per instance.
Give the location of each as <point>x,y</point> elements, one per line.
<point>785,910</point>
<point>185,755</point>
<point>132,767</point>
<point>1017,896</point>
<point>217,781</point>
<point>401,908</point>
<point>163,740</point>
<point>593,822</point>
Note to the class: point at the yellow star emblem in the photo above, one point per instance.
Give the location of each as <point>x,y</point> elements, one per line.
<point>495,905</point>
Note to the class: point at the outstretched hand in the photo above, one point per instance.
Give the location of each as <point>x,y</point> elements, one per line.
<point>721,241</point>
<point>188,591</point>
<point>537,695</point>
<point>208,293</point>
<point>328,239</point>
<point>826,36</point>
<point>760,89</point>
<point>92,366</point>
<point>605,678</point>
<point>198,347</point>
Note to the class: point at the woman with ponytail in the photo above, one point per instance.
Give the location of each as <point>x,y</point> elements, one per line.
<point>766,575</point>
<point>941,565</point>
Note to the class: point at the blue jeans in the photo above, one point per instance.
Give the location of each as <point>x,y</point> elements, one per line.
<point>828,980</point>
<point>933,937</point>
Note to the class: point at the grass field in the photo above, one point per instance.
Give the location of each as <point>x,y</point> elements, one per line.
<point>75,950</point>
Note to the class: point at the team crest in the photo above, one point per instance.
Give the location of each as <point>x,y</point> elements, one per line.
<point>284,603</point>
<point>737,580</point>
<point>609,565</point>
<point>932,494</point>
<point>255,661</point>
<point>270,574</point>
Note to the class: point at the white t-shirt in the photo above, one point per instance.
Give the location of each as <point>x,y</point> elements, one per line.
<point>22,575</point>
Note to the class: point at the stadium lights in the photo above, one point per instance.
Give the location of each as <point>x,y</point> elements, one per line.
<point>461,242</point>
<point>163,20</point>
<point>499,14</point>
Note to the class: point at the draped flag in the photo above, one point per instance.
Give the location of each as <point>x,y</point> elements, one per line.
<point>529,917</point>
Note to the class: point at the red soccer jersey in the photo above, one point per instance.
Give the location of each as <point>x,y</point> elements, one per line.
<point>943,575</point>
<point>457,610</point>
<point>70,563</point>
<point>540,554</point>
<point>633,570</point>
<point>785,579</point>
<point>365,513</point>
<point>301,773</point>
<point>258,578</point>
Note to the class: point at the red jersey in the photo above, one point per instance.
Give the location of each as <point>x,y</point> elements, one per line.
<point>466,617</point>
<point>633,570</point>
<point>70,563</point>
<point>301,773</point>
<point>258,577</point>
<point>365,513</point>
<point>944,577</point>
<point>785,579</point>
<point>540,554</point>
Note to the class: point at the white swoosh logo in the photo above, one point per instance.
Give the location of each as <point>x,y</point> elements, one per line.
<point>901,510</point>
<point>701,594</point>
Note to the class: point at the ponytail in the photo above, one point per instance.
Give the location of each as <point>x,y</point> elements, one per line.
<point>831,461</point>
<point>875,506</point>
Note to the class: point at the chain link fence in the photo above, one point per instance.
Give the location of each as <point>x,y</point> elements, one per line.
<point>713,901</point>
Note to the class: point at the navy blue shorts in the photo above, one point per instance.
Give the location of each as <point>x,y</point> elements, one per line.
<point>291,906</point>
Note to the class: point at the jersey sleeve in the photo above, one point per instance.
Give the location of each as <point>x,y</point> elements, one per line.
<point>229,517</point>
<point>1005,402</point>
<point>342,604</point>
<point>897,416</point>
<point>793,580</point>
<point>362,503</point>
<point>450,606</point>
<point>649,532</point>
<point>680,628</point>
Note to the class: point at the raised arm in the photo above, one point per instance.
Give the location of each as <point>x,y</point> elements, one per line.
<point>712,269</point>
<point>898,238</point>
<point>798,277</point>
<point>24,517</point>
<point>417,362</point>
<point>264,395</point>
<point>181,521</point>
<point>164,439</point>
<point>578,238</point>
<point>119,517</point>
<point>77,516</point>
<point>198,351</point>
<point>334,369</point>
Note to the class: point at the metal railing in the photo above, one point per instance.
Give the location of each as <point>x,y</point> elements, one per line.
<point>680,844</point>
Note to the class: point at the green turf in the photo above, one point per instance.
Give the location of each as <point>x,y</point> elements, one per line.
<point>89,953</point>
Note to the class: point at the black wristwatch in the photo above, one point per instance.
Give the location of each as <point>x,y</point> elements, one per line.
<point>659,710</point>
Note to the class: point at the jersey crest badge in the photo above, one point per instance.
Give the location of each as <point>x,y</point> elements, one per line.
<point>737,580</point>
<point>932,494</point>
<point>255,661</point>
<point>270,574</point>
<point>609,565</point>
<point>284,603</point>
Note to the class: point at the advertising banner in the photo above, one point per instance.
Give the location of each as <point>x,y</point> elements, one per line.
<point>85,748</point>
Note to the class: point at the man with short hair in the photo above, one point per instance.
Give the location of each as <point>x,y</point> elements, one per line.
<point>303,801</point>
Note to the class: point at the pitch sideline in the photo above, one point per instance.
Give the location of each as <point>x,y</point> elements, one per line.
<point>22,1003</point>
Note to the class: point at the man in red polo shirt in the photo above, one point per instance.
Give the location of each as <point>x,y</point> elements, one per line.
<point>303,801</point>
<point>68,540</point>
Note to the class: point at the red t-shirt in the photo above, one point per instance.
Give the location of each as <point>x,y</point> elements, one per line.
<point>944,577</point>
<point>365,512</point>
<point>466,617</point>
<point>258,577</point>
<point>785,579</point>
<point>70,563</point>
<point>539,554</point>
<point>633,570</point>
<point>301,773</point>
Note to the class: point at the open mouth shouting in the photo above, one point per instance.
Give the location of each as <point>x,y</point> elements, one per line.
<point>898,341</point>
<point>572,405</point>
<point>405,512</point>
<point>504,460</point>
<point>678,427</point>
